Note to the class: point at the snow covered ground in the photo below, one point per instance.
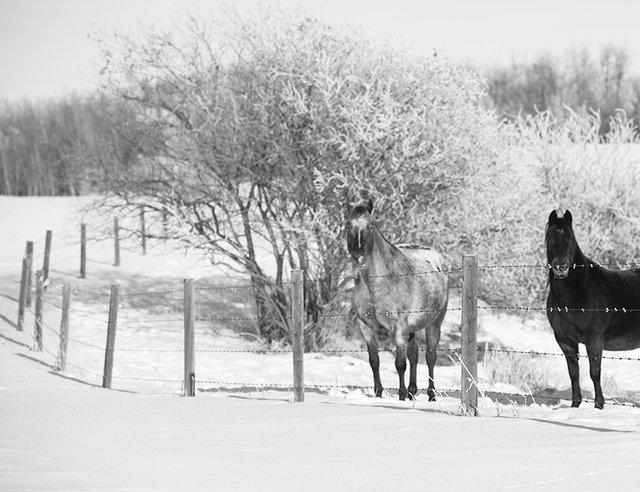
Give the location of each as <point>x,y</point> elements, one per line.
<point>62,431</point>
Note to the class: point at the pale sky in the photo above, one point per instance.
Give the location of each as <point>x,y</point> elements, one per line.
<point>45,49</point>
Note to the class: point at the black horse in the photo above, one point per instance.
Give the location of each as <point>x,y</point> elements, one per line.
<point>588,304</point>
<point>397,289</point>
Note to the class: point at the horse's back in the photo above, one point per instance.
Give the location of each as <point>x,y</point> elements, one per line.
<point>424,257</point>
<point>623,286</point>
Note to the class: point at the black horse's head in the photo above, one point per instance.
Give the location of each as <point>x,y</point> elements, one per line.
<point>360,229</point>
<point>561,243</point>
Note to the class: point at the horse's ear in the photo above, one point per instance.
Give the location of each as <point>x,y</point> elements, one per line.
<point>370,206</point>
<point>568,218</point>
<point>553,217</point>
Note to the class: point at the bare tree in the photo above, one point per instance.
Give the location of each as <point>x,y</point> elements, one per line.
<point>257,134</point>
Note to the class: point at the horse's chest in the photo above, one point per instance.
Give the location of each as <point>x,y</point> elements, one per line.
<point>388,296</point>
<point>576,316</point>
<point>383,301</point>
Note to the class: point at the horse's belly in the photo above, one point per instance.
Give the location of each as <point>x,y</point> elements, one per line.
<point>625,337</point>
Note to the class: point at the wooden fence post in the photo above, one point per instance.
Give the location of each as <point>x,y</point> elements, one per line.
<point>22,298</point>
<point>83,250</point>
<point>47,256</point>
<point>469,360</point>
<point>37,326</point>
<point>111,336</point>
<point>116,236</point>
<point>29,255</point>
<point>297,320</point>
<point>165,225</point>
<point>189,338</point>
<point>143,231</point>
<point>61,364</point>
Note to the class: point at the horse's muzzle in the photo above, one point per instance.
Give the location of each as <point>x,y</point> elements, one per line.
<point>560,271</point>
<point>360,259</point>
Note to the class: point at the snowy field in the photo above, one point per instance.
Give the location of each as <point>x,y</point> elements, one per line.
<point>62,431</point>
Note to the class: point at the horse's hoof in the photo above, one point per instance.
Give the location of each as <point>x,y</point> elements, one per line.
<point>575,404</point>
<point>402,394</point>
<point>599,405</point>
<point>432,394</point>
<point>412,393</point>
<point>379,393</point>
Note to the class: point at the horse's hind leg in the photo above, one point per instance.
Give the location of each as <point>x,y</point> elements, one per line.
<point>431,363</point>
<point>594,351</point>
<point>374,362</point>
<point>433,338</point>
<point>412,354</point>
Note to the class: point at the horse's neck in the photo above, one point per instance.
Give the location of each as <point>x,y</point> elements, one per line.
<point>385,258</point>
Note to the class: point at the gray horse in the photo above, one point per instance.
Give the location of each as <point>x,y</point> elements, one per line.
<point>400,289</point>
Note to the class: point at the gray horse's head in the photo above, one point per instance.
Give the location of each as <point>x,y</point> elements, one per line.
<point>360,230</point>
<point>561,243</point>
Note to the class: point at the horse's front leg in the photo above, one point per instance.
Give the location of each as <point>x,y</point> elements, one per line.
<point>401,367</point>
<point>433,338</point>
<point>570,351</point>
<point>594,352</point>
<point>401,359</point>
<point>370,335</point>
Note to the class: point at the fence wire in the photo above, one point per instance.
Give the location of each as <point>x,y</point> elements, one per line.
<point>55,284</point>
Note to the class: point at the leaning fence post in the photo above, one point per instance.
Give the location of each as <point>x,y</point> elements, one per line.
<point>189,338</point>
<point>47,256</point>
<point>64,329</point>
<point>37,326</point>
<point>297,319</point>
<point>111,336</point>
<point>23,295</point>
<point>116,236</point>
<point>469,360</point>
<point>83,250</point>
<point>29,256</point>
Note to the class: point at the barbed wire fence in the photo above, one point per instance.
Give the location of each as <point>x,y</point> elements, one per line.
<point>50,293</point>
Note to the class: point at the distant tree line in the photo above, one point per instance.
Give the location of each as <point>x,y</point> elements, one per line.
<point>54,147</point>
<point>581,80</point>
